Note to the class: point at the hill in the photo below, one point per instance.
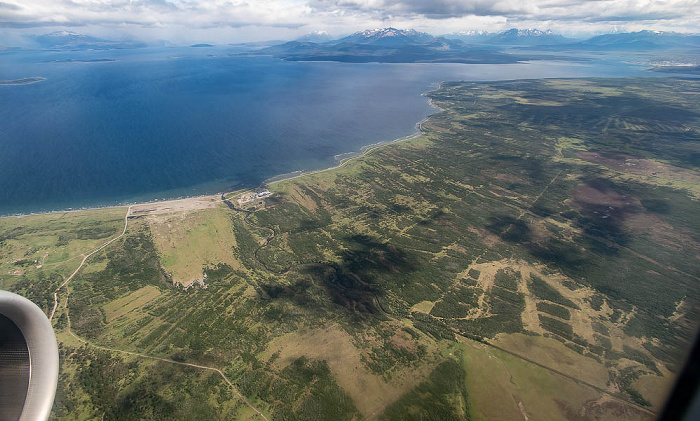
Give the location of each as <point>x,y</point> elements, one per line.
<point>471,36</point>
<point>316,36</point>
<point>533,251</point>
<point>388,45</point>
<point>66,40</point>
<point>642,40</point>
<point>528,37</point>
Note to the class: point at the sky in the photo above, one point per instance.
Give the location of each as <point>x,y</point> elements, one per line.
<point>218,21</point>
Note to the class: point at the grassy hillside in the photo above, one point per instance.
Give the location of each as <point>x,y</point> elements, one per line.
<point>533,253</point>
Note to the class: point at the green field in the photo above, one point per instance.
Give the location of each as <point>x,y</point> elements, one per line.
<point>532,254</point>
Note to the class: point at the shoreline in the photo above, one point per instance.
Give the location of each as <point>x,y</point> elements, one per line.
<point>22,81</point>
<point>340,162</point>
<point>362,152</point>
<point>340,159</point>
<point>121,205</point>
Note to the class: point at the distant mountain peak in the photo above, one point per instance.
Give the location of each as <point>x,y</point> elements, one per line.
<point>73,40</point>
<point>659,33</point>
<point>64,33</point>
<point>470,36</point>
<point>473,32</point>
<point>315,36</point>
<point>642,40</point>
<point>389,45</point>
<point>388,37</point>
<point>529,37</point>
<point>390,32</point>
<point>527,32</point>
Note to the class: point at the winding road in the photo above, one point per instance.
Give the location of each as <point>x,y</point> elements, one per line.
<point>82,263</point>
<point>236,392</point>
<point>378,303</point>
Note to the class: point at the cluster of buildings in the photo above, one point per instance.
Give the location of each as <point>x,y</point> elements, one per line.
<point>249,197</point>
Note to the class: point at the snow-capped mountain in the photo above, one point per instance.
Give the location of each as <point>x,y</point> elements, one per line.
<point>473,33</point>
<point>70,34</point>
<point>316,36</point>
<point>528,37</point>
<point>387,37</point>
<point>641,40</point>
<point>389,45</point>
<point>63,38</point>
<point>472,36</point>
<point>526,33</point>
<point>67,40</point>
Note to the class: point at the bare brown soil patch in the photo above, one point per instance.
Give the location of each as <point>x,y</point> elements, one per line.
<point>538,231</point>
<point>457,248</point>
<point>530,317</point>
<point>537,101</point>
<point>488,272</point>
<point>503,192</point>
<point>301,199</point>
<point>403,340</point>
<point>581,319</point>
<point>424,306</point>
<point>179,205</point>
<point>655,388</point>
<point>649,169</point>
<point>371,394</point>
<point>613,161</point>
<point>603,409</point>
<point>188,241</point>
<point>508,178</point>
<point>583,193</point>
<point>135,300</point>
<point>551,353</point>
<point>489,238</point>
<point>681,310</point>
<point>662,232</point>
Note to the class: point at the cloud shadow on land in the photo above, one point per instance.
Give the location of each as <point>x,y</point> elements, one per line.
<point>355,282</point>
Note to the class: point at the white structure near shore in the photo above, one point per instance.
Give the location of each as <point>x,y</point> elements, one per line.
<point>249,197</point>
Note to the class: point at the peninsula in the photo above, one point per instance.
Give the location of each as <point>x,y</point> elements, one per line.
<point>532,254</point>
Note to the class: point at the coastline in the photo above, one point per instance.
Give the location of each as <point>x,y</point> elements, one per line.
<point>23,81</point>
<point>341,160</point>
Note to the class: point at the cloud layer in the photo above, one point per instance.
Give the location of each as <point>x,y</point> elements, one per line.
<point>242,20</point>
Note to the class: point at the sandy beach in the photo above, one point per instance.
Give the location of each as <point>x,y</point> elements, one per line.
<point>176,205</point>
<point>212,200</point>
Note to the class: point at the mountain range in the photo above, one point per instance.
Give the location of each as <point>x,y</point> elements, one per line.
<point>642,40</point>
<point>66,40</point>
<point>389,45</point>
<point>393,45</point>
<point>527,37</point>
<point>402,46</point>
<point>316,36</point>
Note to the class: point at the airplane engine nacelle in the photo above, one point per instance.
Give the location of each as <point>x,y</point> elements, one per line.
<point>28,360</point>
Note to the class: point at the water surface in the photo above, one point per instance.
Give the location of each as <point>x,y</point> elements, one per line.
<point>163,123</point>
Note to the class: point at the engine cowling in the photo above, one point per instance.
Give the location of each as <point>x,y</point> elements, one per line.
<point>28,360</point>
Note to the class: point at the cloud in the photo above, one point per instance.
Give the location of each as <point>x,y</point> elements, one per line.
<point>9,6</point>
<point>152,12</point>
<point>519,9</point>
<point>263,19</point>
<point>431,9</point>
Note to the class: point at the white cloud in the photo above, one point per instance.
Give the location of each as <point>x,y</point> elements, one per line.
<point>238,20</point>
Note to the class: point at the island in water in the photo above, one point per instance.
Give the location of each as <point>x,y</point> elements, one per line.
<point>74,60</point>
<point>23,81</point>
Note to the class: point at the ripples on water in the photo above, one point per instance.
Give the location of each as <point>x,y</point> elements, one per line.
<point>163,123</point>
